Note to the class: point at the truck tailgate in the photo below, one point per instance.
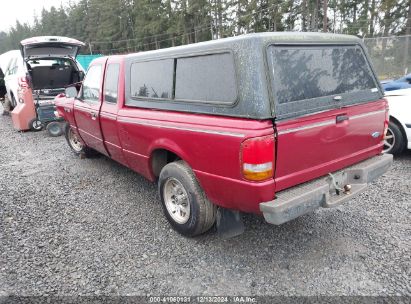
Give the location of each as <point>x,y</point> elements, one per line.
<point>313,146</point>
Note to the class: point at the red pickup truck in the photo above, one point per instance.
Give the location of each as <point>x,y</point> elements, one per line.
<point>277,124</point>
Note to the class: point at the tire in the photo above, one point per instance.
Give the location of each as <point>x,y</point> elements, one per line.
<point>54,129</point>
<point>191,213</point>
<point>394,142</point>
<point>76,144</point>
<point>35,125</point>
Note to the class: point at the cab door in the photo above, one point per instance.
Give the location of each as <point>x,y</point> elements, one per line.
<point>87,109</point>
<point>112,97</point>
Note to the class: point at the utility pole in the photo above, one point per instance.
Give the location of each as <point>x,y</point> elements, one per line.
<point>407,39</point>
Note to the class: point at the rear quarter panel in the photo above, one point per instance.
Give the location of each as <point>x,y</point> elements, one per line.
<point>209,144</point>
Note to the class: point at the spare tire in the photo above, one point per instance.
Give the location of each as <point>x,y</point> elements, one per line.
<point>54,129</point>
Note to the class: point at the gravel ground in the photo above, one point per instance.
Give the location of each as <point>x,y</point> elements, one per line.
<point>72,226</point>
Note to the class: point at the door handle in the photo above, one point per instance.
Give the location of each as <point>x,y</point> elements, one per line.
<point>341,118</point>
<point>93,115</point>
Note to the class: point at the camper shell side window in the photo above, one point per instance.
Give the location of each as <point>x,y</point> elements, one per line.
<point>204,79</point>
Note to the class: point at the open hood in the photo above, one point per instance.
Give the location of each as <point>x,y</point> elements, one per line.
<point>49,46</point>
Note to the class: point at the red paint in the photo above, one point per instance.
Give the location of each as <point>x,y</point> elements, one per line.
<point>313,152</point>
<point>212,145</point>
<point>25,111</point>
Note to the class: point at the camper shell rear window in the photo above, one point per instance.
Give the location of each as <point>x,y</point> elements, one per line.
<point>309,79</point>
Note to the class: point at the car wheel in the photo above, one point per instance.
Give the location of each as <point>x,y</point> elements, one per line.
<point>394,140</point>
<point>76,144</point>
<point>35,125</point>
<point>184,203</point>
<point>54,129</point>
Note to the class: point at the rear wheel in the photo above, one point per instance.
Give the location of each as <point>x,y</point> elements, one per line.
<point>76,144</point>
<point>394,139</point>
<point>184,202</point>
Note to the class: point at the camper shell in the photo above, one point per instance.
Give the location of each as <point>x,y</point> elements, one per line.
<point>248,76</point>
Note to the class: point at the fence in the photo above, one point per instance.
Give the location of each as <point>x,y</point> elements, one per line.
<point>391,56</point>
<point>85,60</point>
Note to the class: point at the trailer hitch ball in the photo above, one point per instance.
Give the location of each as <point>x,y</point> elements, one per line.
<point>347,188</point>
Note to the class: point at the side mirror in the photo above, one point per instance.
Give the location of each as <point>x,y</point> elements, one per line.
<point>71,92</point>
<point>81,75</point>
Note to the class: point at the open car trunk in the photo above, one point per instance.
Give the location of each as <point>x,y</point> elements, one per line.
<point>50,46</point>
<point>49,77</point>
<point>51,64</point>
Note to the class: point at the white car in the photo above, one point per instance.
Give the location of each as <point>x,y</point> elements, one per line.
<point>398,136</point>
<point>46,64</point>
<point>5,60</point>
<point>13,69</point>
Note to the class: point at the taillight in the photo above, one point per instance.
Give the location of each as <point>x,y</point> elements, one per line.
<point>257,158</point>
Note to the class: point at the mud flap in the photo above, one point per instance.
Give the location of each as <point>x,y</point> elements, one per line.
<point>229,223</point>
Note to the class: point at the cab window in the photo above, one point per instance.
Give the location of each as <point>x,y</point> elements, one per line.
<point>91,84</point>
<point>111,83</point>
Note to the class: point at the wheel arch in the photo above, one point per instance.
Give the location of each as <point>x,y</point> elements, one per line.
<point>160,157</point>
<point>399,124</point>
<point>164,153</point>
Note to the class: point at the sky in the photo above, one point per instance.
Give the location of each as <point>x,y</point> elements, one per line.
<point>24,11</point>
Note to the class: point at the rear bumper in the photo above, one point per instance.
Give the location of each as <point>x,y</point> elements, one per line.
<point>322,192</point>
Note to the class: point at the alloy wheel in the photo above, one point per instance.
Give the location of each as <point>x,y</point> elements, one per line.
<point>176,200</point>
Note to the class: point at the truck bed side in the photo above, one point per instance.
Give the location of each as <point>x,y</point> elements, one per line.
<point>209,144</point>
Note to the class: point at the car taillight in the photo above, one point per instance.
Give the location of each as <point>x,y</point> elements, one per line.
<point>257,158</point>
<point>23,82</point>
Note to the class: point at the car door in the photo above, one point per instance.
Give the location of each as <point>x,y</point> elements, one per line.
<point>87,107</point>
<point>11,80</point>
<point>112,97</point>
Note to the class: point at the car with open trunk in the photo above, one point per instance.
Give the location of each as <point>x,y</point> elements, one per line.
<point>36,73</point>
